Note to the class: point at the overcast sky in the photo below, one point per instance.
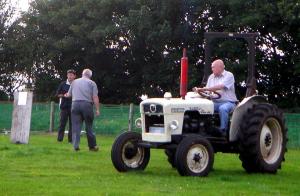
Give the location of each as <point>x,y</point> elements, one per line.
<point>21,5</point>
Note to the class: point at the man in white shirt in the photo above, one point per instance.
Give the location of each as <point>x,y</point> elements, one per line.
<point>222,81</point>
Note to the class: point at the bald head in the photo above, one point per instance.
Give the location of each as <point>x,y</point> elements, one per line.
<point>87,73</point>
<point>217,67</point>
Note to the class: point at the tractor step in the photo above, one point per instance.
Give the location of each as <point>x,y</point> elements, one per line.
<point>218,140</point>
<point>157,145</point>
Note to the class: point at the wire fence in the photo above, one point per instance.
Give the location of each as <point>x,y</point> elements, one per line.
<point>113,120</point>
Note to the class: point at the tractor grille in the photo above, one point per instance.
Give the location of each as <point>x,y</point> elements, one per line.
<point>154,123</point>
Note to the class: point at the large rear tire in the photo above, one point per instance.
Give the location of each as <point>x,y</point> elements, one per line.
<point>194,156</point>
<point>262,139</point>
<point>126,155</point>
<point>171,156</point>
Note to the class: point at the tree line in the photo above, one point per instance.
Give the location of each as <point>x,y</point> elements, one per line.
<point>134,47</point>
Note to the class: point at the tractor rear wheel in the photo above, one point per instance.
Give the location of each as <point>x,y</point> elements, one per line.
<point>126,155</point>
<point>194,156</point>
<point>262,139</point>
<point>171,156</point>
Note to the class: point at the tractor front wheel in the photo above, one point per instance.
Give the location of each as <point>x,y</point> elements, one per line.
<point>194,156</point>
<point>126,155</point>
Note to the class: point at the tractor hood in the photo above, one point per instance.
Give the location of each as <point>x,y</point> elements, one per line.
<point>176,105</point>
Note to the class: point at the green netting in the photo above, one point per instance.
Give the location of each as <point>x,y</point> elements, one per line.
<point>293,124</point>
<point>114,119</point>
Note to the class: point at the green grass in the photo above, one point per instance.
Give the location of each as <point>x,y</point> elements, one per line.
<point>45,167</point>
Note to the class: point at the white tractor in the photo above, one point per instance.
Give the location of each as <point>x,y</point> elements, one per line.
<point>185,128</point>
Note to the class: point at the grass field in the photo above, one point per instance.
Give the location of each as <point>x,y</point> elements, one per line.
<point>45,167</point>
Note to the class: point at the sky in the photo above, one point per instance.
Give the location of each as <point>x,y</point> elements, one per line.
<point>21,5</point>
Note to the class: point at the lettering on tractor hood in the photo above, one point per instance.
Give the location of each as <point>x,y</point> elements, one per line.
<point>194,108</point>
<point>177,110</point>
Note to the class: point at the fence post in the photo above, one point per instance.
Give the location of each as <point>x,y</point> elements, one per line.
<point>52,110</point>
<point>130,119</point>
<point>21,117</point>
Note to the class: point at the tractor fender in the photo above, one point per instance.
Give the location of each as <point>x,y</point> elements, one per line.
<point>238,113</point>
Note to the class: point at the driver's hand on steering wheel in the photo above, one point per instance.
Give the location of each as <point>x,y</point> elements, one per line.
<point>196,89</point>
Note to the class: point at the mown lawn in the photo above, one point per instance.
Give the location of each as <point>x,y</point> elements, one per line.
<point>45,167</point>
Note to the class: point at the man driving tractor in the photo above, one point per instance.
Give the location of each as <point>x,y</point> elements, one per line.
<point>221,81</point>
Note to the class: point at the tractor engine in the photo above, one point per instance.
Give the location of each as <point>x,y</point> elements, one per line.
<point>199,124</point>
<point>162,118</point>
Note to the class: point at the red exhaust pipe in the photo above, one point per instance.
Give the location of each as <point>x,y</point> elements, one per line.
<point>184,74</point>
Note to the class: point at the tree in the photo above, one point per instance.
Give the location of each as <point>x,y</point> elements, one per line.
<point>6,81</point>
<point>277,23</point>
<point>134,47</point>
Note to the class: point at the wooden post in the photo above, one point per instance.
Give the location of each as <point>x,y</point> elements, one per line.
<point>130,119</point>
<point>52,111</point>
<point>21,118</point>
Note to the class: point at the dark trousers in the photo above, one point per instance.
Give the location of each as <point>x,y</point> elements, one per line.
<point>65,115</point>
<point>83,111</point>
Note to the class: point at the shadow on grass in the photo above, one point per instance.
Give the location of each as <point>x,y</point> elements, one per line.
<point>226,175</point>
<point>4,148</point>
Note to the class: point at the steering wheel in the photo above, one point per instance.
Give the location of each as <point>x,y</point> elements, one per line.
<point>209,94</point>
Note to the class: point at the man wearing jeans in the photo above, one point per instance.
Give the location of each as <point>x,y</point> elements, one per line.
<point>84,93</point>
<point>222,81</point>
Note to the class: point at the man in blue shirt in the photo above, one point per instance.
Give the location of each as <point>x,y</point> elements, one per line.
<point>65,106</point>
<point>222,81</point>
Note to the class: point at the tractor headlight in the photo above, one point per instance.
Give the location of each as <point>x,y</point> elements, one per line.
<point>173,125</point>
<point>138,123</point>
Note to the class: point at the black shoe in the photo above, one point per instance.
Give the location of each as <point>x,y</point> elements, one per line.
<point>94,149</point>
<point>77,149</point>
<point>59,140</point>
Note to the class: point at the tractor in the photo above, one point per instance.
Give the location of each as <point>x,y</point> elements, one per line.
<point>184,127</point>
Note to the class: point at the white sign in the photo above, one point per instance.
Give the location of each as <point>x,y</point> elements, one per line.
<point>22,98</point>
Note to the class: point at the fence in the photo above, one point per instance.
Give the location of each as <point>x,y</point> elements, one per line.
<point>113,119</point>
<point>293,124</point>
